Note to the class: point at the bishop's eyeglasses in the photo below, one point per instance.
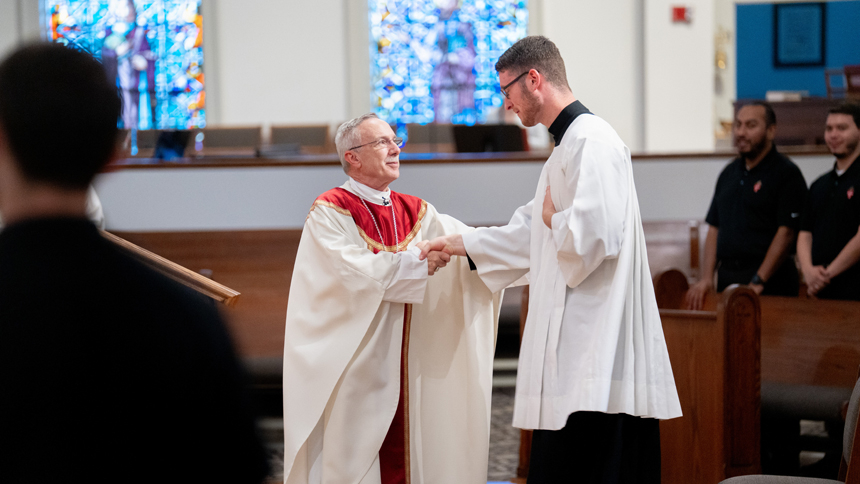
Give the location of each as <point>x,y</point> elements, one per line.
<point>381,143</point>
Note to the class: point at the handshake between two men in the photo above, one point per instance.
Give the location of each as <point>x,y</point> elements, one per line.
<point>438,251</point>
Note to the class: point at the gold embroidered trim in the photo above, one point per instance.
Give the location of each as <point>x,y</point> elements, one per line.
<point>332,206</point>
<point>372,244</point>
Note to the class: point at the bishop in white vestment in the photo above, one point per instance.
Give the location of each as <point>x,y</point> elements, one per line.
<point>387,372</point>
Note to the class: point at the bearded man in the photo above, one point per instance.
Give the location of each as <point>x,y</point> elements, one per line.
<point>754,215</point>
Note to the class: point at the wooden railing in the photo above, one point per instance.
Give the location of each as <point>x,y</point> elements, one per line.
<point>186,277</point>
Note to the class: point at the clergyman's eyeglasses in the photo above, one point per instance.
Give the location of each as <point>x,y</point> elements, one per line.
<point>504,88</point>
<point>381,143</point>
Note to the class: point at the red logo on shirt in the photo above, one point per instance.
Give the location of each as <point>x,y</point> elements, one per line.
<point>850,193</point>
<point>757,186</point>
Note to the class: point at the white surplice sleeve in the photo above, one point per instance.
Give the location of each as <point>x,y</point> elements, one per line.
<point>501,254</point>
<point>410,281</point>
<point>591,190</point>
<point>402,277</point>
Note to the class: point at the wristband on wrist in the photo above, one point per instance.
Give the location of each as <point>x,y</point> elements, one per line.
<point>757,280</point>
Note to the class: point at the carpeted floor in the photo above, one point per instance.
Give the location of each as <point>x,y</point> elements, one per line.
<point>504,440</point>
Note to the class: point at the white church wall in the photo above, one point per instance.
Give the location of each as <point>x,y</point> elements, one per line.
<point>725,87</point>
<point>679,78</point>
<point>602,48</point>
<point>279,198</point>
<point>152,200</point>
<point>681,189</point>
<point>276,62</point>
<point>19,21</point>
<point>8,26</point>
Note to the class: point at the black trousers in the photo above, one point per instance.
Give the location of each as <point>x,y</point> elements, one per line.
<point>597,447</point>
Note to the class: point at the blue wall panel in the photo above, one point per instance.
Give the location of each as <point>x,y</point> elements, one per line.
<point>756,73</point>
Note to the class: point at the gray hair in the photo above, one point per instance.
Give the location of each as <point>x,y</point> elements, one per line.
<point>348,136</point>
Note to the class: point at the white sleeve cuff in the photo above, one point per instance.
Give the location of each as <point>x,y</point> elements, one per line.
<point>497,264</point>
<point>410,281</point>
<point>559,228</point>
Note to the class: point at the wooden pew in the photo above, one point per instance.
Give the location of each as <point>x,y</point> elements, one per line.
<point>674,245</point>
<point>810,355</point>
<point>715,359</point>
<point>805,341</point>
<point>810,341</point>
<point>810,350</point>
<point>259,264</point>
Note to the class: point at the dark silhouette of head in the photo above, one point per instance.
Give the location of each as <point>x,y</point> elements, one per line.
<point>58,114</point>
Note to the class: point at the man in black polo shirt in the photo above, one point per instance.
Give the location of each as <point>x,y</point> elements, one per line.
<point>754,214</point>
<point>828,246</point>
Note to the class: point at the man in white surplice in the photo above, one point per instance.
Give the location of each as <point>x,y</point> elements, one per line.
<point>387,373</point>
<point>594,373</point>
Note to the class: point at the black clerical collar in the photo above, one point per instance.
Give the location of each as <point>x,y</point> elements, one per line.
<point>565,117</point>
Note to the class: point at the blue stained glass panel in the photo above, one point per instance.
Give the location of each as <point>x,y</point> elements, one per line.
<point>434,60</point>
<point>152,48</point>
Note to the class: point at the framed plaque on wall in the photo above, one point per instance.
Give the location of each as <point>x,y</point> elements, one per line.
<point>799,34</point>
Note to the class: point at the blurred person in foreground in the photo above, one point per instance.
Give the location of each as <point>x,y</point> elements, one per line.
<point>108,370</point>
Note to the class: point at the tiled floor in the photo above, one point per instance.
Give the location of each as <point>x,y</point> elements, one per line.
<point>504,440</point>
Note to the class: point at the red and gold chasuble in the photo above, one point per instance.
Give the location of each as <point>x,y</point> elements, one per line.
<point>374,221</point>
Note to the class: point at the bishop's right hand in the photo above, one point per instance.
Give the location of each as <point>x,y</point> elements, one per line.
<point>439,244</point>
<point>436,258</point>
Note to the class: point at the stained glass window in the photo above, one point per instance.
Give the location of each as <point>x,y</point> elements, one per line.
<point>152,48</point>
<point>433,60</point>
